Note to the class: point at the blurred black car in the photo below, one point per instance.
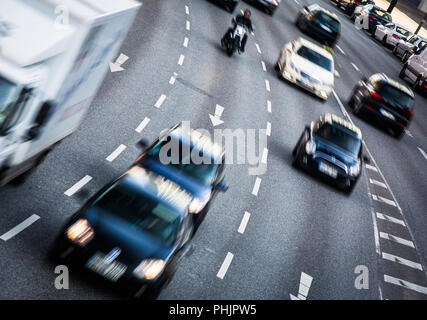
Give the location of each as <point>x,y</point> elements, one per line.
<point>331,148</point>
<point>349,5</point>
<point>319,23</point>
<point>229,5</point>
<point>131,234</point>
<point>269,6</point>
<point>375,16</point>
<point>385,100</point>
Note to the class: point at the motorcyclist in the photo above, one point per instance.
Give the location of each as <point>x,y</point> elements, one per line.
<point>246,21</point>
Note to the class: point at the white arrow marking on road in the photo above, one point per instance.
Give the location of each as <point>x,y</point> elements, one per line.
<point>116,66</point>
<point>423,153</point>
<point>304,286</point>
<point>23,225</point>
<point>216,119</point>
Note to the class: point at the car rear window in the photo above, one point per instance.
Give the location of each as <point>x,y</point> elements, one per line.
<point>403,31</point>
<point>326,19</point>
<point>315,57</point>
<point>395,96</point>
<point>422,44</point>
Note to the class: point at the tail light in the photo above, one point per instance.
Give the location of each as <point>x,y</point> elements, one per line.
<point>375,95</point>
<point>372,17</point>
<point>396,36</point>
<point>356,2</point>
<point>408,113</point>
<point>368,107</point>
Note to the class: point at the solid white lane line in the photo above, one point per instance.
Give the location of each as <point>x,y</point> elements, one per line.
<point>187,10</point>
<point>390,219</point>
<point>377,183</point>
<point>367,166</point>
<point>185,44</point>
<point>403,261</point>
<point>405,284</point>
<point>224,267</point>
<point>258,48</point>
<point>390,237</point>
<point>355,67</point>
<point>78,186</point>
<point>181,59</point>
<point>244,222</point>
<point>268,130</point>
<point>269,106</point>
<point>385,200</point>
<point>256,186</point>
<point>142,125</point>
<point>264,156</point>
<point>263,66</point>
<point>187,25</point>
<point>423,153</point>
<point>20,227</point>
<point>160,101</point>
<point>116,153</point>
<point>339,48</point>
<point>267,85</point>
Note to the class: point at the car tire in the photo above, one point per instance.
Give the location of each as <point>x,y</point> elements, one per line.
<point>402,74</point>
<point>395,50</point>
<point>373,33</point>
<point>416,83</point>
<point>276,67</point>
<point>350,102</point>
<point>405,57</point>
<point>398,133</point>
<point>357,109</point>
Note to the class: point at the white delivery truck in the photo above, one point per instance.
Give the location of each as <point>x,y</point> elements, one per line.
<point>54,55</point>
<point>415,69</point>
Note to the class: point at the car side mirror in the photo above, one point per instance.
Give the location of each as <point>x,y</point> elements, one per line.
<point>366,159</point>
<point>222,186</point>
<point>142,144</point>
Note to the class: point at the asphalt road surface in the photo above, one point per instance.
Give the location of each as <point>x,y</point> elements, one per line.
<point>296,225</point>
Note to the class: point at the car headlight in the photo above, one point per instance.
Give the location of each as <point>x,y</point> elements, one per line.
<point>149,269</point>
<point>80,232</point>
<point>197,205</point>
<point>310,147</point>
<point>354,170</point>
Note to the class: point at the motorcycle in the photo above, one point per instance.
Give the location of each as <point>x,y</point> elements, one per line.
<point>232,41</point>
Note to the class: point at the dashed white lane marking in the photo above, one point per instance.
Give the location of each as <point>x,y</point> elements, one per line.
<point>268,130</point>
<point>390,237</point>
<point>263,66</point>
<point>296,1</point>
<point>116,153</point>
<point>78,186</point>
<point>173,78</point>
<point>256,186</point>
<point>187,25</point>
<point>142,125</point>
<point>304,287</point>
<point>341,50</point>
<point>267,85</point>
<point>20,227</point>
<point>377,183</point>
<point>403,261</point>
<point>409,133</point>
<point>355,67</point>
<point>185,44</point>
<point>405,284</point>
<point>390,219</point>
<point>181,59</point>
<point>385,200</point>
<point>367,166</point>
<point>376,236</point>
<point>423,153</point>
<point>160,101</point>
<point>269,106</point>
<point>264,156</point>
<point>258,48</point>
<point>225,265</point>
<point>244,222</point>
<point>187,10</point>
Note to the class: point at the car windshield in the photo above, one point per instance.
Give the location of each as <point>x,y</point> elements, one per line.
<point>395,96</point>
<point>8,95</point>
<point>183,157</point>
<point>381,13</point>
<point>422,44</point>
<point>339,137</point>
<point>315,57</point>
<point>326,19</point>
<point>141,210</point>
<point>403,31</point>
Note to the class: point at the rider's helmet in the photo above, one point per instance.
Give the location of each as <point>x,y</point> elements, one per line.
<point>247,13</point>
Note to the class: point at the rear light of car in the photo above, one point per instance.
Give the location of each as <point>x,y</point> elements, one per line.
<point>375,95</point>
<point>368,107</point>
<point>396,36</point>
<point>372,17</point>
<point>408,113</point>
<point>425,86</point>
<point>356,2</point>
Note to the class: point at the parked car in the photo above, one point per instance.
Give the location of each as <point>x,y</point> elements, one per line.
<point>390,33</point>
<point>319,23</point>
<point>269,6</point>
<point>349,5</point>
<point>372,15</point>
<point>384,100</point>
<point>416,69</point>
<point>405,48</point>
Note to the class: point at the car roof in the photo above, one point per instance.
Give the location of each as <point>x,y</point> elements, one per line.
<point>317,7</point>
<point>394,83</point>
<point>338,121</point>
<point>313,46</point>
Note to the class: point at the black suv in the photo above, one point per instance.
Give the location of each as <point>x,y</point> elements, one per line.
<point>384,100</point>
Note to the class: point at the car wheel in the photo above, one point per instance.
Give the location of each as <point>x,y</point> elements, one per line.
<point>373,32</point>
<point>276,67</point>
<point>405,57</point>
<point>416,83</point>
<point>349,189</point>
<point>350,102</point>
<point>394,50</point>
<point>357,108</point>
<point>398,133</point>
<point>402,74</point>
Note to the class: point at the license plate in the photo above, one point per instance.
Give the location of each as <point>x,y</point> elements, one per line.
<point>306,84</point>
<point>111,270</point>
<point>386,114</point>
<point>330,171</point>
